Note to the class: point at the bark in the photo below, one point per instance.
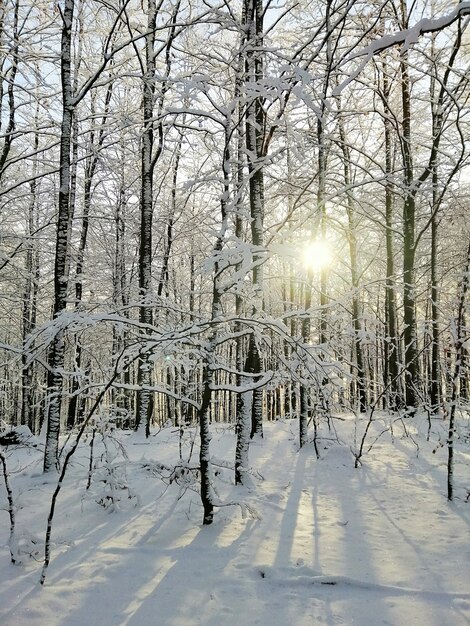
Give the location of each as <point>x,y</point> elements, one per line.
<point>255,130</point>
<point>289,294</point>
<point>393,397</point>
<point>144,401</point>
<point>13,70</point>
<point>164,274</point>
<point>253,366</point>
<point>304,408</point>
<point>435,369</point>
<point>120,288</point>
<point>15,557</point>
<point>322,170</point>
<point>30,297</point>
<point>208,377</point>
<point>391,346</point>
<point>204,454</point>
<point>57,350</point>
<point>459,340</point>
<point>435,375</point>
<point>321,192</point>
<point>291,389</point>
<point>204,412</point>
<point>244,408</point>
<point>409,217</point>
<point>244,402</point>
<point>2,57</point>
<point>352,240</point>
<point>463,383</point>
<point>151,151</point>
<point>411,187</point>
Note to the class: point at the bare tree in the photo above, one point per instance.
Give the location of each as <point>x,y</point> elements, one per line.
<point>151,150</point>
<point>459,336</point>
<point>57,349</point>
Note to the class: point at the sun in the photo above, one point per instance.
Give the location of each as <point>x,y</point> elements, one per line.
<point>317,255</point>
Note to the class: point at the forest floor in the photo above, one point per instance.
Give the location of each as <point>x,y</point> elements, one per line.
<point>318,541</point>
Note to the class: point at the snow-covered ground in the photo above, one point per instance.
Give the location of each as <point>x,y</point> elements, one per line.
<point>321,542</point>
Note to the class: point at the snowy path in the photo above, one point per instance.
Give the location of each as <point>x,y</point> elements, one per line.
<point>333,545</point>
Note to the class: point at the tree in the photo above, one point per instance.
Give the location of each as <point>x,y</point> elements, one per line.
<point>458,340</point>
<point>70,101</point>
<point>57,350</point>
<point>150,154</point>
<point>256,151</point>
<point>256,130</point>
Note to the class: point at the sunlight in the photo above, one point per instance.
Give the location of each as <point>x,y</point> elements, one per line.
<point>317,255</point>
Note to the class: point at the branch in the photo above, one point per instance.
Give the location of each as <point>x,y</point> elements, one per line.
<point>405,37</point>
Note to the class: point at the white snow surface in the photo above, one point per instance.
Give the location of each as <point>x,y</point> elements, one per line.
<point>324,544</point>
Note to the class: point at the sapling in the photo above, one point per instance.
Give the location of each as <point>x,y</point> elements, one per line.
<point>111,474</point>
<point>358,452</point>
<point>81,431</point>
<point>12,542</point>
<point>459,337</point>
<point>90,463</point>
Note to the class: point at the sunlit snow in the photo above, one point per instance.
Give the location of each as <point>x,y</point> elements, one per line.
<point>318,542</point>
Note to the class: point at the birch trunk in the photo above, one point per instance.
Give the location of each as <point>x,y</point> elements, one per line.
<point>57,350</point>
<point>254,143</point>
<point>144,401</point>
<point>244,402</point>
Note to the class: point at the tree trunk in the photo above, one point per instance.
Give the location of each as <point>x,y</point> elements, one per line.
<point>76,405</point>
<point>304,408</point>
<point>244,402</point>
<point>9,131</point>
<point>435,391</point>
<point>391,345</point>
<point>254,142</point>
<point>204,454</point>
<point>144,401</point>
<point>30,294</point>
<point>57,349</point>
<point>360,376</point>
<point>409,217</point>
<point>459,340</point>
<point>151,151</point>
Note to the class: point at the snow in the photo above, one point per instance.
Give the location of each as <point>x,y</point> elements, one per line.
<point>406,38</point>
<point>319,542</point>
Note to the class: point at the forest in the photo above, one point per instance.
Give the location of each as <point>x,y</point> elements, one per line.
<point>230,216</point>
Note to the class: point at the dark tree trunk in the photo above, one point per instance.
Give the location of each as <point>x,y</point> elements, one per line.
<point>151,151</point>
<point>352,240</point>
<point>255,129</point>
<point>435,375</point>
<point>304,408</point>
<point>9,131</point>
<point>459,340</point>
<point>391,346</point>
<point>144,401</point>
<point>244,400</point>
<point>30,295</point>
<point>409,217</point>
<point>57,349</point>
